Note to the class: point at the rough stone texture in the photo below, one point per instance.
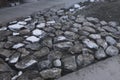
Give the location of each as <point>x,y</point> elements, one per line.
<point>112,51</point>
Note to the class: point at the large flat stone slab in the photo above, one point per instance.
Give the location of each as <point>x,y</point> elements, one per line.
<point>108,69</point>
<point>12,13</point>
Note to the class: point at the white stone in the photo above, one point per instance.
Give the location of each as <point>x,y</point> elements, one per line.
<point>32,39</point>
<point>15,33</point>
<point>14,60</point>
<point>19,45</point>
<point>3,28</point>
<point>71,10</point>
<point>15,26</point>
<point>76,6</point>
<point>90,44</point>
<point>92,0</point>
<point>57,63</point>
<point>50,22</point>
<point>22,22</point>
<point>41,25</point>
<point>30,63</point>
<point>28,19</point>
<point>37,32</point>
<point>60,38</point>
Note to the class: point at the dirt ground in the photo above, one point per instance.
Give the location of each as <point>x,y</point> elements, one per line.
<point>109,11</point>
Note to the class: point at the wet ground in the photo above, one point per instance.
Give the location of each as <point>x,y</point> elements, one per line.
<point>108,11</point>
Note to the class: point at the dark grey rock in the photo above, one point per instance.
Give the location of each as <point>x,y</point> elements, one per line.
<point>44,64</point>
<point>69,63</point>
<point>15,39</point>
<point>112,51</point>
<point>51,73</point>
<point>80,60</point>
<point>5,76</point>
<point>103,23</point>
<point>2,44</point>
<point>42,52</point>
<point>48,42</point>
<point>100,54</point>
<point>23,52</point>
<point>33,46</point>
<point>6,53</point>
<point>26,62</point>
<point>109,29</point>
<point>76,48</point>
<point>92,19</point>
<point>70,35</point>
<point>4,34</point>
<point>113,23</point>
<point>8,44</point>
<point>24,32</point>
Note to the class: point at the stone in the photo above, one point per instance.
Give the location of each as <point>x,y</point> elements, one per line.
<point>51,73</point>
<point>16,26</point>
<point>59,39</point>
<point>88,29</point>
<point>103,23</point>
<point>102,43</point>
<point>95,36</point>
<point>80,19</point>
<point>4,34</point>
<point>100,54</point>
<point>111,40</point>
<point>92,19</point>
<point>26,62</point>
<point>90,44</point>
<point>22,23</point>
<point>42,52</point>
<point>76,25</point>
<point>89,24</point>
<point>57,63</point>
<point>23,52</point>
<point>8,44</point>
<point>70,35</point>
<point>69,63</point>
<point>32,39</point>
<point>77,6</point>
<point>5,76</point>
<point>76,49</point>
<point>63,45</point>
<point>44,64</point>
<point>18,45</point>
<point>113,23</point>
<point>38,32</point>
<point>15,39</point>
<point>33,46</point>
<point>41,25</point>
<point>15,34</point>
<point>112,51</point>
<point>79,60</point>
<point>2,44</point>
<point>48,42</point>
<point>58,32</point>
<point>6,53</point>
<point>29,75</point>
<point>4,67</point>
<point>109,29</point>
<point>88,59</point>
<point>24,32</point>
<point>14,58</point>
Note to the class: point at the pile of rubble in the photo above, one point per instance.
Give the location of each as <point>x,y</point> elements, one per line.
<point>52,43</point>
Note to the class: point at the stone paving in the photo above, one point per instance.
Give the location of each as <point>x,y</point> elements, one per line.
<point>54,42</point>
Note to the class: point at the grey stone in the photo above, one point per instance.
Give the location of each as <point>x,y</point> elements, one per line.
<point>80,60</point>
<point>89,24</point>
<point>58,32</point>
<point>112,51</point>
<point>4,67</point>
<point>102,43</point>
<point>63,45</point>
<point>109,29</point>
<point>57,63</point>
<point>78,26</point>
<point>60,38</point>
<point>44,64</point>
<point>88,59</point>
<point>76,48</point>
<point>2,44</point>
<point>113,23</point>
<point>70,35</point>
<point>4,34</point>
<point>15,39</point>
<point>8,44</point>
<point>6,53</point>
<point>88,29</point>
<point>92,19</point>
<point>90,44</point>
<point>26,62</point>
<point>48,42</point>
<point>42,52</point>
<point>95,36</point>
<point>80,19</point>
<point>69,63</point>
<point>33,46</point>
<point>29,75</point>
<point>51,73</point>
<point>23,52</point>
<point>103,23</point>
<point>111,40</point>
<point>24,32</point>
<point>38,78</point>
<point>5,76</point>
<point>100,54</point>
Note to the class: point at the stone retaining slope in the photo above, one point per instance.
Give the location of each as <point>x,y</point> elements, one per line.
<point>10,14</point>
<point>108,69</point>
